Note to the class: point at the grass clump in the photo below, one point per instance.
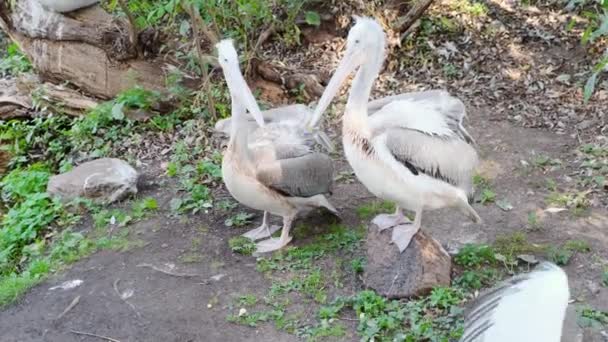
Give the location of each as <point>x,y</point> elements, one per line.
<point>474,256</point>
<point>369,210</point>
<point>242,245</point>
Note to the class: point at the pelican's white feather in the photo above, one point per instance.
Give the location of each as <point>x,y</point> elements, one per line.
<point>63,6</point>
<point>527,308</point>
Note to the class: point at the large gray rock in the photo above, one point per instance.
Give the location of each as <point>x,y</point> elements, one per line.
<point>104,180</point>
<point>422,266</point>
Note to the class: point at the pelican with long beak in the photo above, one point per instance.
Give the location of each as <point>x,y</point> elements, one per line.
<point>526,308</point>
<point>413,150</point>
<point>278,172</point>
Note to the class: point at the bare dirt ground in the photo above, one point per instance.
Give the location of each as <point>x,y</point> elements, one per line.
<point>501,87</point>
<point>194,308</point>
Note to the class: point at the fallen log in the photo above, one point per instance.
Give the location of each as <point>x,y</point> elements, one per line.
<point>291,80</point>
<point>89,48</point>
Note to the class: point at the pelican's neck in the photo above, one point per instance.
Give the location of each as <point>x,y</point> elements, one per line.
<point>239,133</point>
<point>356,105</point>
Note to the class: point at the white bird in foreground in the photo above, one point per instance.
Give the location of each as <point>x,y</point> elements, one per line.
<point>278,172</point>
<point>413,150</point>
<point>526,308</point>
<point>64,6</point>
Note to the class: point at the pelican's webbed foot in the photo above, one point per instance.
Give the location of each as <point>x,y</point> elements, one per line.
<point>262,232</point>
<point>271,245</point>
<point>403,234</point>
<point>385,221</point>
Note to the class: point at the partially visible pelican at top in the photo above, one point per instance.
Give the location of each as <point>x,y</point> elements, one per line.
<point>278,172</point>
<point>526,308</point>
<point>413,150</point>
<point>64,6</point>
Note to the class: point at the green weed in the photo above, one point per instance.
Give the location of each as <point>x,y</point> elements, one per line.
<point>473,256</point>
<point>242,245</point>
<point>14,62</point>
<point>369,210</point>
<point>239,220</point>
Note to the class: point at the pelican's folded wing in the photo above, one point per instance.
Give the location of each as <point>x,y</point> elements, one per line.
<point>302,176</point>
<point>445,158</point>
<point>434,113</point>
<point>526,308</point>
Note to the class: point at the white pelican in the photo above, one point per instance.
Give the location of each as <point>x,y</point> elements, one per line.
<point>413,150</point>
<point>280,175</point>
<point>526,308</point>
<point>64,6</point>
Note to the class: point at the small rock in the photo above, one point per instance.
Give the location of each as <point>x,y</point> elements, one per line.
<point>422,266</point>
<point>242,312</point>
<point>105,180</point>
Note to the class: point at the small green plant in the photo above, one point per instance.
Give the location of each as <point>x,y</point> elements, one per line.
<point>358,265</point>
<point>472,8</point>
<point>239,220</point>
<point>487,195</point>
<point>141,207</point>
<point>514,244</point>
<point>472,256</point>
<point>589,317</point>
<point>242,245</point>
<point>577,202</point>
<point>14,62</point>
<point>579,246</point>
<point>247,300</point>
<point>477,279</point>
<point>226,205</point>
<point>113,217</point>
<point>533,221</point>
<point>560,256</point>
<point>605,277</point>
<point>369,210</point>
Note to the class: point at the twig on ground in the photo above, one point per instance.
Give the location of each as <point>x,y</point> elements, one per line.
<point>122,296</point>
<point>94,335</point>
<point>174,274</point>
<point>74,302</point>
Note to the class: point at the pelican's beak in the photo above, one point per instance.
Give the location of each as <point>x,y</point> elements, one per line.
<point>322,139</point>
<point>240,90</point>
<point>352,59</point>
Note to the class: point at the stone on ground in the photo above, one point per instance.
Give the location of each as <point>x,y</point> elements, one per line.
<point>422,266</point>
<point>104,180</point>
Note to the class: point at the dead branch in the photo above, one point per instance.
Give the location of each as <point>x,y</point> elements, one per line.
<point>124,297</point>
<point>198,26</point>
<point>290,79</point>
<point>74,302</point>
<point>174,274</point>
<point>94,335</point>
<point>267,33</point>
<point>133,32</point>
<point>414,14</point>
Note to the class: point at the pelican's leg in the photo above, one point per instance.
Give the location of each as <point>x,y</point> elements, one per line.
<point>274,244</point>
<point>263,231</point>
<point>403,233</point>
<point>385,221</point>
